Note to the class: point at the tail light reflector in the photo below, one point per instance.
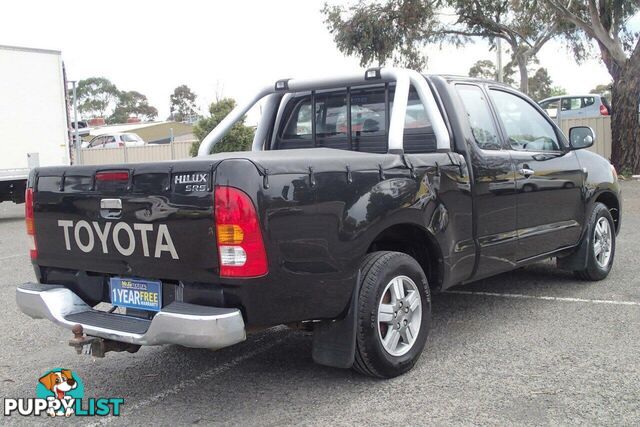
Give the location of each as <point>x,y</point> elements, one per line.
<point>604,111</point>
<point>240,246</point>
<point>28,216</point>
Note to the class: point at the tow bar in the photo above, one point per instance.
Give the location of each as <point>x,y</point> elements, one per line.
<point>95,346</point>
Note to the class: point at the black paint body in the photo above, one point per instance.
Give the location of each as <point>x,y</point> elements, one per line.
<point>321,210</point>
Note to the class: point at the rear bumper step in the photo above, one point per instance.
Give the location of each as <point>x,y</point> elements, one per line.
<point>179,323</point>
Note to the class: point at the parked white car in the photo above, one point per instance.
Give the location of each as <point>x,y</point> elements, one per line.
<point>115,140</point>
<point>576,106</point>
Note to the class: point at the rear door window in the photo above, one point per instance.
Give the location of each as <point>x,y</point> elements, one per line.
<point>480,117</point>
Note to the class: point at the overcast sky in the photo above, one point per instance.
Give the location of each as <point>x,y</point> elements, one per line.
<point>230,46</point>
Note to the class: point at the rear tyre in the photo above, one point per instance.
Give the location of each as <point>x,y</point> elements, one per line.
<point>394,314</point>
<point>601,245</point>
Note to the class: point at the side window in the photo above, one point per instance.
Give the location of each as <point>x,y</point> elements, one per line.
<point>587,101</point>
<point>571,104</point>
<point>526,128</point>
<point>482,124</point>
<point>96,142</point>
<point>551,107</point>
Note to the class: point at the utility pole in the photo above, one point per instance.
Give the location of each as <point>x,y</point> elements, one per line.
<point>499,59</point>
<point>75,120</point>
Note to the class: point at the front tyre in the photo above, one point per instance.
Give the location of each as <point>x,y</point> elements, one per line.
<point>601,244</point>
<point>394,314</point>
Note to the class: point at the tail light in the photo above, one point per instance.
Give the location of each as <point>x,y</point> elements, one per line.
<point>240,245</point>
<point>604,111</point>
<point>28,216</point>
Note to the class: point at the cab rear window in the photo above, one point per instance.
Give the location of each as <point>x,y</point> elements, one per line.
<point>352,119</point>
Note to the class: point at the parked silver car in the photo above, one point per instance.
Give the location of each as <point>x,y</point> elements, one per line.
<point>115,140</point>
<point>576,106</point>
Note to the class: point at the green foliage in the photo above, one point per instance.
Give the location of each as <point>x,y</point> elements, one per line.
<point>379,32</point>
<point>486,69</point>
<point>182,103</point>
<point>607,23</point>
<point>540,85</point>
<point>557,91</point>
<point>239,137</point>
<point>132,103</point>
<point>96,96</point>
<point>397,30</point>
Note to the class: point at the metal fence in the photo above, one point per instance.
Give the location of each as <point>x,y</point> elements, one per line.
<point>146,153</point>
<point>602,128</point>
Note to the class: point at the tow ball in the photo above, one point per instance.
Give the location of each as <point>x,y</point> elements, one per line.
<point>95,346</point>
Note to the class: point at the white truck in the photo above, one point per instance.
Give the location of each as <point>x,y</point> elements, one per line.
<point>33,116</point>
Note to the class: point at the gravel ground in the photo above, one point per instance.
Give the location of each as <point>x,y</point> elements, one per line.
<point>534,346</point>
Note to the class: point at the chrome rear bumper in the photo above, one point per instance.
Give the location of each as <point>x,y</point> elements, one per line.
<point>179,323</point>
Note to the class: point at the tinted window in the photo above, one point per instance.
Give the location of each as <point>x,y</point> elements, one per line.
<point>368,109</point>
<point>331,115</point>
<point>482,124</point>
<point>526,128</point>
<point>299,124</point>
<point>368,122</point>
<point>588,100</point>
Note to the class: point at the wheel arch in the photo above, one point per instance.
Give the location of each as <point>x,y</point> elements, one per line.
<point>610,200</point>
<point>417,242</point>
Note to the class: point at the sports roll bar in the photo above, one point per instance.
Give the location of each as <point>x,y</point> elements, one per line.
<point>403,80</point>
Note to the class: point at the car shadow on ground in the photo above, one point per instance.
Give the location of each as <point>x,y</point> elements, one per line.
<point>287,361</point>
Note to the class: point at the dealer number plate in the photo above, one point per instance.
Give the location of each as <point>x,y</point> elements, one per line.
<point>136,293</point>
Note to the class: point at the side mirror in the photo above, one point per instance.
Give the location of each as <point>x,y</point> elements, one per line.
<point>581,137</point>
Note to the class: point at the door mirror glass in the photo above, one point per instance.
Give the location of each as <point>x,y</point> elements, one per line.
<point>581,137</point>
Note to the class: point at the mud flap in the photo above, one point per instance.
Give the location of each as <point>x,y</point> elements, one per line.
<point>578,260</point>
<point>334,341</point>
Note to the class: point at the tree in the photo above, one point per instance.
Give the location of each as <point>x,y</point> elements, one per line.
<point>96,96</point>
<point>183,103</point>
<point>486,69</point>
<point>605,22</point>
<point>239,137</point>
<point>602,90</point>
<point>540,85</point>
<point>132,103</point>
<point>397,29</point>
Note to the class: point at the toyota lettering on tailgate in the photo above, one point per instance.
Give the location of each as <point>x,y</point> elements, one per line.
<point>84,235</point>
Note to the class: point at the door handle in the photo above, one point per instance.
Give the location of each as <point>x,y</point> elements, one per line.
<point>526,172</point>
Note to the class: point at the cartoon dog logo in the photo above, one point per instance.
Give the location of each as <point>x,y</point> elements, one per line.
<point>59,383</point>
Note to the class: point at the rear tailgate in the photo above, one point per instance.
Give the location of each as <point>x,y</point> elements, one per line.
<point>148,220</point>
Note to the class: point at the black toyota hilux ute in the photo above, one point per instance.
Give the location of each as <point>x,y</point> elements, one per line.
<point>362,196</point>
